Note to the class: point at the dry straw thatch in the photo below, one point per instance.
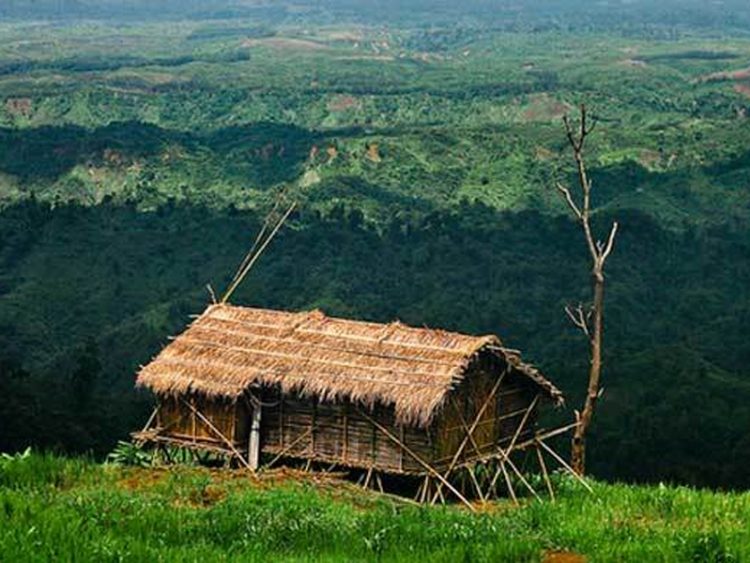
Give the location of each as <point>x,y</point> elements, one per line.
<point>229,349</point>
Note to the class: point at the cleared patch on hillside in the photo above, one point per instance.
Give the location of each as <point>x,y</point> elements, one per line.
<point>286,43</point>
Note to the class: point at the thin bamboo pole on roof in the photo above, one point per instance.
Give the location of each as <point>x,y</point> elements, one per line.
<point>258,238</point>
<point>233,286</point>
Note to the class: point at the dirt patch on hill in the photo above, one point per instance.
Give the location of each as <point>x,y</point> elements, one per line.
<point>343,35</point>
<point>563,557</point>
<point>286,43</point>
<point>743,89</point>
<point>542,107</point>
<point>18,106</point>
<point>343,103</point>
<point>636,63</point>
<point>743,74</point>
<point>649,158</point>
<point>386,58</point>
<point>373,152</point>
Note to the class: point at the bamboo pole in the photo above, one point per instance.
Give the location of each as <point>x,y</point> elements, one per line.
<point>508,483</point>
<point>476,483</point>
<point>523,423</point>
<point>253,449</point>
<point>562,462</point>
<point>505,453</point>
<point>524,445</point>
<point>345,444</point>
<point>150,419</point>
<point>366,484</point>
<point>547,481</point>
<point>401,452</point>
<point>257,255</point>
<point>312,429</point>
<point>522,478</point>
<point>281,422</point>
<point>545,436</point>
<point>286,450</point>
<point>420,490</point>
<point>470,468</point>
<point>419,460</point>
<point>379,482</point>
<point>192,418</point>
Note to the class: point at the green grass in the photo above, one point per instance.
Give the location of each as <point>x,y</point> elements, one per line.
<point>74,510</point>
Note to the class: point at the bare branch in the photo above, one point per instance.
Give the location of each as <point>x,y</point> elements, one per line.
<point>590,130</point>
<point>570,134</point>
<point>569,199</point>
<point>610,242</point>
<point>579,318</point>
<point>211,293</point>
<point>583,123</point>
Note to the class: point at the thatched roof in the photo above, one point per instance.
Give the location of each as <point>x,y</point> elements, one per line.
<point>228,349</point>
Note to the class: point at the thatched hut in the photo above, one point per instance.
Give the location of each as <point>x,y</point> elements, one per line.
<point>384,397</point>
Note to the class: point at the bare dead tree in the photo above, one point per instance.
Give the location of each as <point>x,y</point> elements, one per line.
<point>589,319</point>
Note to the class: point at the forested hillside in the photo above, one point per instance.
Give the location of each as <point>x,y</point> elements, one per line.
<point>138,159</point>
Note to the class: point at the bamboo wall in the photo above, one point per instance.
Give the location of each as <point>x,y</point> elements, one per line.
<point>180,422</point>
<point>338,432</point>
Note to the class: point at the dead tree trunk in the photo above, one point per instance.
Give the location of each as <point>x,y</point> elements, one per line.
<point>589,320</point>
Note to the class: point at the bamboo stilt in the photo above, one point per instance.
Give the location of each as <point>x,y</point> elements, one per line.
<point>366,484</point>
<point>476,484</point>
<point>508,482</point>
<point>425,490</point>
<point>569,469</point>
<point>547,481</point>
<point>379,482</point>
<point>522,479</point>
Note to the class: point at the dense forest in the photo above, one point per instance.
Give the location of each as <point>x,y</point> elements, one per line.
<point>137,160</point>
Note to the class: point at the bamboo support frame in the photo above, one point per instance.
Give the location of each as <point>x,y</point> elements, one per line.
<point>213,428</point>
<point>567,467</point>
<point>461,447</point>
<point>419,460</point>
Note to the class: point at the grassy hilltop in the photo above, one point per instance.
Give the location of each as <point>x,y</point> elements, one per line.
<point>56,509</point>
